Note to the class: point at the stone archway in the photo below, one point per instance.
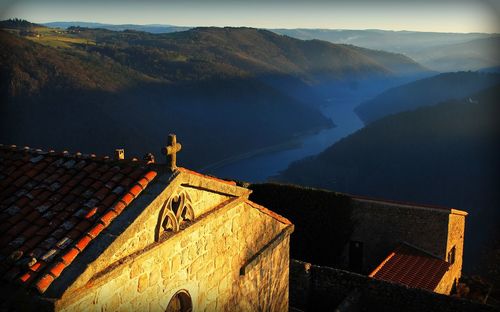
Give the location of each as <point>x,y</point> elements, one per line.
<point>180,302</point>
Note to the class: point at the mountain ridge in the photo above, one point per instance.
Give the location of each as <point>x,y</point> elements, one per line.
<point>208,53</point>
<point>424,92</point>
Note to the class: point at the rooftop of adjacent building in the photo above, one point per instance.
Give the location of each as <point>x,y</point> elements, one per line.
<point>413,267</point>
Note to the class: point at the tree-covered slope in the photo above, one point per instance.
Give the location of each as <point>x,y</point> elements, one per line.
<point>424,92</point>
<point>442,52</point>
<point>78,98</point>
<point>29,69</point>
<point>204,52</point>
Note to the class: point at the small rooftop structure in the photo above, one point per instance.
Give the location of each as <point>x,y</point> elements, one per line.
<point>412,267</point>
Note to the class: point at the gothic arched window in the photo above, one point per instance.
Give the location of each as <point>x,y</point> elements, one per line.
<point>175,214</point>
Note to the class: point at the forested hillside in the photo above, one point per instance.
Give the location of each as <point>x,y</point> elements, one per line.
<point>425,92</point>
<point>439,51</point>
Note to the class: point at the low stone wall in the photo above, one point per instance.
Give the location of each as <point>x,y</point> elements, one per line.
<point>315,288</point>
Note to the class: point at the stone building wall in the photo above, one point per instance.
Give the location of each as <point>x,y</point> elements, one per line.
<point>456,230</point>
<point>315,288</point>
<point>272,272</point>
<point>380,226</point>
<point>138,226</point>
<point>145,232</point>
<point>205,259</point>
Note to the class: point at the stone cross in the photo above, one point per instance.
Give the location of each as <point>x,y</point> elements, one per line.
<point>171,150</point>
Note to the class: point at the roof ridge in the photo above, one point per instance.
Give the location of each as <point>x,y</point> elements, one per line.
<point>207,176</point>
<point>269,212</point>
<point>405,243</point>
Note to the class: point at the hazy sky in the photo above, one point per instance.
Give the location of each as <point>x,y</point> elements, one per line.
<point>422,15</point>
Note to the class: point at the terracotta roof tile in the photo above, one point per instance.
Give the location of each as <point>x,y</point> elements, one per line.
<point>52,205</point>
<point>127,199</point>
<point>44,283</point>
<point>411,267</point>
<point>83,242</point>
<point>108,217</point>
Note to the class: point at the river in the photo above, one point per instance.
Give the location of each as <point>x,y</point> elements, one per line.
<point>258,168</point>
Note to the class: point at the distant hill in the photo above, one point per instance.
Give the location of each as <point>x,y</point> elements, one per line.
<point>494,69</point>
<point>437,51</point>
<point>443,52</point>
<point>207,53</point>
<point>306,70</point>
<point>471,55</point>
<point>260,53</point>
<point>397,41</point>
<point>447,154</point>
<point>151,28</point>
<point>30,68</point>
<point>428,91</point>
<point>16,23</point>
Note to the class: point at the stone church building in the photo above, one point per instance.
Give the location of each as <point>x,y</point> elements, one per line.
<point>80,233</point>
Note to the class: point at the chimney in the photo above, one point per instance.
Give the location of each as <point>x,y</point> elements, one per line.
<point>119,154</point>
<point>149,158</point>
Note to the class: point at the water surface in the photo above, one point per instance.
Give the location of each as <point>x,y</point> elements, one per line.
<point>258,168</point>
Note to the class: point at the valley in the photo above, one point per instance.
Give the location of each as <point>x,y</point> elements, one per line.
<point>233,91</point>
<point>252,105</point>
<point>264,164</point>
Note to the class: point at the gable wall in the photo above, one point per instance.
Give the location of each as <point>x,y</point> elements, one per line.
<point>137,227</point>
<point>205,259</point>
<point>145,233</point>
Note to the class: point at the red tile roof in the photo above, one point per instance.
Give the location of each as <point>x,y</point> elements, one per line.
<point>53,205</point>
<point>411,267</point>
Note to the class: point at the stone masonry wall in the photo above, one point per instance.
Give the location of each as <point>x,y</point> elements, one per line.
<point>380,226</point>
<point>272,272</point>
<point>456,228</point>
<point>314,288</point>
<point>205,259</point>
<point>146,234</point>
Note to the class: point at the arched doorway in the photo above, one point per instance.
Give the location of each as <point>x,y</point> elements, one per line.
<point>180,302</point>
